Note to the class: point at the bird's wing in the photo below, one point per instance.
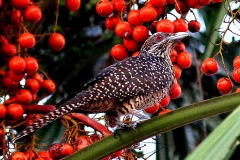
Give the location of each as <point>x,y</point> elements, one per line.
<point>133,76</point>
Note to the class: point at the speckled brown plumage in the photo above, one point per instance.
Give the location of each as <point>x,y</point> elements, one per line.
<point>124,87</point>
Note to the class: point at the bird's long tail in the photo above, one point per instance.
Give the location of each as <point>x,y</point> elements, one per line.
<point>45,120</point>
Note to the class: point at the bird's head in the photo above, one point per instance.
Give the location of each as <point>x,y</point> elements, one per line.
<point>160,44</point>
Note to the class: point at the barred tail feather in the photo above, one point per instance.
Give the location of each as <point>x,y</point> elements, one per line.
<point>45,120</point>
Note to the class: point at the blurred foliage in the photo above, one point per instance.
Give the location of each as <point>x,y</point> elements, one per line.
<point>87,51</point>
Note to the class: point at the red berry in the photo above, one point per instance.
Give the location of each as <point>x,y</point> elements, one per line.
<point>116,154</point>
<point>194,26</point>
<point>48,85</point>
<point>179,47</point>
<point>152,27</point>
<point>9,49</point>
<point>123,29</point>
<point>18,156</point>
<point>236,74</point>
<point>16,77</point>
<point>193,4</point>
<point>15,111</point>
<point>181,7</point>
<point>174,86</point>
<point>165,25</point>
<point>157,3</point>
<point>73,5</point>
<point>43,154</point>
<point>148,13</point>
<point>119,6</point>
<point>176,93</point>
<point>17,64</point>
<point>8,84</point>
<point>16,18</point>
<point>134,18</point>
<point>3,111</point>
<point>23,96</point>
<point>31,65</point>
<point>224,85</point>
<point>130,44</point>
<point>37,77</point>
<point>204,2</point>
<point>104,8</point>
<point>33,13</point>
<point>3,39</point>
<point>184,60</point>
<point>173,56</point>
<point>20,4</point>
<point>56,41</point>
<point>152,109</point>
<point>209,66</point>
<point>160,10</point>
<point>135,54</point>
<point>32,85</point>
<point>111,22</point>
<point>140,33</point>
<point>66,149</point>
<point>55,151</point>
<point>165,101</point>
<point>236,62</point>
<point>118,52</point>
<point>30,155</point>
<point>177,71</point>
<point>26,40</point>
<point>82,142</point>
<point>180,25</point>
<point>171,1</point>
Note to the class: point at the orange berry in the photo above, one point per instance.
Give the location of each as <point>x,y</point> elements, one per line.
<point>140,33</point>
<point>224,85</point>
<point>236,74</point>
<point>209,66</point>
<point>180,25</point>
<point>165,25</point>
<point>164,111</point>
<point>56,41</point>
<point>165,101</point>
<point>148,13</point>
<point>177,71</point>
<point>184,60</point>
<point>118,52</point>
<point>152,109</point>
<point>236,62</point>
<point>123,29</point>
<point>104,8</point>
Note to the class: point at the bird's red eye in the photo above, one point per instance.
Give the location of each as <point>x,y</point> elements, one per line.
<point>158,37</point>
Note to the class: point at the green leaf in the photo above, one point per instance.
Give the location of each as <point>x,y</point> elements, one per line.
<point>221,141</point>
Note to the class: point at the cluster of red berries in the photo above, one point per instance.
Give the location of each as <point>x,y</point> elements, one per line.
<point>137,25</point>
<point>20,77</point>
<point>225,85</point>
<point>134,28</point>
<point>59,150</point>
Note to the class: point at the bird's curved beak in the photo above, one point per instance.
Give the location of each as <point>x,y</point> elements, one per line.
<point>178,35</point>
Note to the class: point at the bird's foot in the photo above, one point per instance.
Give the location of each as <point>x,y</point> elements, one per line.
<point>140,114</point>
<point>122,126</point>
